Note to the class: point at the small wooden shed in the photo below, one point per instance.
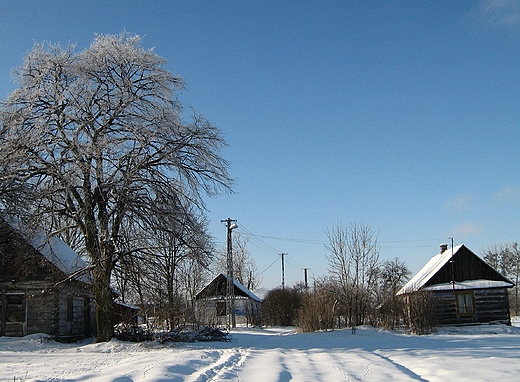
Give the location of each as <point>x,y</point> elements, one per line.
<point>211,303</point>
<point>465,289</point>
<point>42,286</point>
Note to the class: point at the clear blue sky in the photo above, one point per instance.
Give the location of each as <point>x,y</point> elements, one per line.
<point>403,115</point>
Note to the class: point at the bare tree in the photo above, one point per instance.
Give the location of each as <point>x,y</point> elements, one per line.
<point>353,262</point>
<point>244,267</point>
<point>183,242</point>
<point>97,138</point>
<point>392,275</point>
<point>505,258</point>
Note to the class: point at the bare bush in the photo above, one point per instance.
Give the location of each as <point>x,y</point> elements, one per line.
<point>421,312</point>
<point>320,309</point>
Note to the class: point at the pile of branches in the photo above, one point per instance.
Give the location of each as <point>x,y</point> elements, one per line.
<point>199,334</point>
<point>134,333</point>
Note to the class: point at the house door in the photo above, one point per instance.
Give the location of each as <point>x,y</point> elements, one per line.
<point>13,315</point>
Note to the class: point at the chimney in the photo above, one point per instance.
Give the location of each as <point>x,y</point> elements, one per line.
<point>444,247</point>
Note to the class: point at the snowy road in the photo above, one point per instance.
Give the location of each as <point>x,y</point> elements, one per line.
<point>477,354</point>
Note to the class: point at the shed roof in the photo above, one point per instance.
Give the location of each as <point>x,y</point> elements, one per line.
<point>217,288</point>
<point>437,262</point>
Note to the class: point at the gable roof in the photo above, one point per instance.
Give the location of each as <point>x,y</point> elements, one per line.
<point>55,250</point>
<point>428,277</point>
<point>217,288</point>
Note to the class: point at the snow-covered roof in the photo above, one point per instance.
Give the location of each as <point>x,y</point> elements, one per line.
<point>124,304</point>
<point>57,252</point>
<point>52,248</point>
<point>470,284</point>
<point>221,292</point>
<point>434,265</point>
<point>426,273</point>
<point>250,294</point>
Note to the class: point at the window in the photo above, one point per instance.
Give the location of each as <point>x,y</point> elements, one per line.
<point>465,304</point>
<point>221,308</point>
<point>14,308</point>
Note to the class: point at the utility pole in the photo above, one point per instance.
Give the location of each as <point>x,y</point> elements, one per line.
<point>283,270</point>
<point>305,277</point>
<point>230,286</point>
<point>452,266</point>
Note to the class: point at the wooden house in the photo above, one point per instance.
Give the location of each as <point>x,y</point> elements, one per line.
<point>42,286</point>
<point>211,303</point>
<point>465,289</point>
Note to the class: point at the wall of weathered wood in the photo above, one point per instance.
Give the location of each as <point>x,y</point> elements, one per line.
<point>65,312</point>
<point>52,304</point>
<point>491,305</point>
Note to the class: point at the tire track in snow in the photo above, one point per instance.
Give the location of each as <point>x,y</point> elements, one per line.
<point>345,367</point>
<point>226,367</point>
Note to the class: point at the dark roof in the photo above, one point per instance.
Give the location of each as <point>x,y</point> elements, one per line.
<point>217,288</point>
<point>469,272</point>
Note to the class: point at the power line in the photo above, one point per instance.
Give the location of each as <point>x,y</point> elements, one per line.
<point>256,241</point>
<point>313,241</point>
<point>273,263</point>
<point>412,241</point>
<point>305,241</point>
<point>294,262</point>
<point>259,243</point>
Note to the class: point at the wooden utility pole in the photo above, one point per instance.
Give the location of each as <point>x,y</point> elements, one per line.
<point>452,266</point>
<point>230,286</point>
<point>283,270</point>
<point>305,278</point>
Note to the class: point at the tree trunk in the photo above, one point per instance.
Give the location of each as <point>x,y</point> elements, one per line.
<point>104,307</point>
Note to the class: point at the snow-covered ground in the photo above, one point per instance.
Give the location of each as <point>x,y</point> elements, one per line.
<point>478,353</point>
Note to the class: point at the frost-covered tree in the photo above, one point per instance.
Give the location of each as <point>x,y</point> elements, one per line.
<point>505,258</point>
<point>171,265</point>
<point>91,141</point>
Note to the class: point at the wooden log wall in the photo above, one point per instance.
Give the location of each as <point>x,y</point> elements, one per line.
<point>491,305</point>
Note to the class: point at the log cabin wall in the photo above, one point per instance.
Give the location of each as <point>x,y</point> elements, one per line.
<point>66,312</point>
<point>489,306</point>
<point>36,296</point>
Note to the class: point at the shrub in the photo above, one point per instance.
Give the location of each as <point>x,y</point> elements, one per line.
<point>280,307</point>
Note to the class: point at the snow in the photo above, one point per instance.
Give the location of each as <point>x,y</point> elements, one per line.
<point>57,252</point>
<point>251,295</point>
<point>53,248</point>
<point>470,353</point>
<point>434,265</point>
<point>470,284</point>
<point>431,268</point>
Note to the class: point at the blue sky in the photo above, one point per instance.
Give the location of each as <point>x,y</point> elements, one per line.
<point>403,115</point>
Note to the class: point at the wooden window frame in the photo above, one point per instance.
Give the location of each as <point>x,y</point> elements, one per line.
<point>462,306</point>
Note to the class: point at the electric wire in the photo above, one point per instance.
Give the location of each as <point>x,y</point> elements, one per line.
<point>274,262</point>
<point>258,242</point>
